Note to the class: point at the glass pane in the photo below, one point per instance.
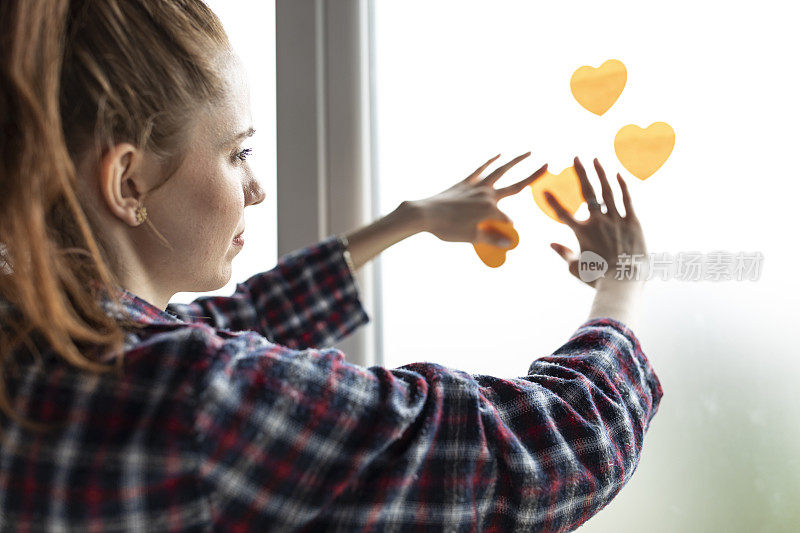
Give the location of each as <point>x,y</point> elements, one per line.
<point>251,30</point>
<point>459,81</point>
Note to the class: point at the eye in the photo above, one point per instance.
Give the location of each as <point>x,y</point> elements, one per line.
<point>243,154</point>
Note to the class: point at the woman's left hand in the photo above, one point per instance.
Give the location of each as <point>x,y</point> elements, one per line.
<point>453,215</point>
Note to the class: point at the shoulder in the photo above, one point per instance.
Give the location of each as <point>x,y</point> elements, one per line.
<point>206,353</point>
<point>193,348</point>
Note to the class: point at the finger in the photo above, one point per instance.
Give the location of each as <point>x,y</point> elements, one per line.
<point>586,187</point>
<point>608,196</point>
<point>514,189</point>
<point>572,260</point>
<point>498,173</point>
<point>481,168</point>
<point>565,253</point>
<point>626,198</point>
<point>561,212</point>
<point>495,238</point>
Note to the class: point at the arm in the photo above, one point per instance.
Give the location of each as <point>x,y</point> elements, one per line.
<point>305,440</point>
<point>617,299</point>
<point>367,242</point>
<point>310,298</point>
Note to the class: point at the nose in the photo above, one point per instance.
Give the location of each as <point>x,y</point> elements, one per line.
<point>253,192</point>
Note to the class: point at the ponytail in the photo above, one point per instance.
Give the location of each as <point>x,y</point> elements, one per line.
<point>75,75</point>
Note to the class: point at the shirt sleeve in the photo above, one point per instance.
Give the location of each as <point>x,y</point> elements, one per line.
<point>310,299</point>
<point>305,440</point>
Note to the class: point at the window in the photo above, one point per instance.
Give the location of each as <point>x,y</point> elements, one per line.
<point>457,82</point>
<point>251,30</point>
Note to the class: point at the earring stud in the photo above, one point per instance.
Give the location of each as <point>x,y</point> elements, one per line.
<point>141,213</point>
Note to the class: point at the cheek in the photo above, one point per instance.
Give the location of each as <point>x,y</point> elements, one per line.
<point>216,212</point>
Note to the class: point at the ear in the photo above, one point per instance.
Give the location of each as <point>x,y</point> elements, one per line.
<point>121,181</point>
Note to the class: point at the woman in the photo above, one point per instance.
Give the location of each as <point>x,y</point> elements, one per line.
<point>123,182</point>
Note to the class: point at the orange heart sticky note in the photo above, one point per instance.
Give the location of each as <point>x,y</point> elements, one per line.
<point>643,151</point>
<point>597,89</point>
<point>491,255</point>
<point>566,187</point>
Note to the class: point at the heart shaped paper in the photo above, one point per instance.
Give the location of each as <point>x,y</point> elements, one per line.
<point>643,151</point>
<point>491,255</point>
<point>566,187</point>
<point>597,89</point>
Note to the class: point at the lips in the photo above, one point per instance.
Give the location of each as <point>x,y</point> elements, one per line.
<point>238,239</point>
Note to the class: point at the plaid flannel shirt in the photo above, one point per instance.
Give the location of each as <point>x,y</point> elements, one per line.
<point>233,416</point>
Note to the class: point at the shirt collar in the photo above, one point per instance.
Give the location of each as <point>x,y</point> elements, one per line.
<point>136,309</point>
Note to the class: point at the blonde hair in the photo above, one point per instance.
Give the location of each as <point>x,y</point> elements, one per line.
<point>77,77</point>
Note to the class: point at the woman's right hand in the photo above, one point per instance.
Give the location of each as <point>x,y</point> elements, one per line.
<point>614,237</point>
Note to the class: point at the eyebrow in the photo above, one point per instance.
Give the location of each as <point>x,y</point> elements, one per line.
<point>247,133</point>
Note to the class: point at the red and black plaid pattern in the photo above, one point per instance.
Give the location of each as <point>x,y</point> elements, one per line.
<point>243,421</point>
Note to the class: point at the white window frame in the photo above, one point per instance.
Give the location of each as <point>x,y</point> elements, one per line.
<point>325,155</point>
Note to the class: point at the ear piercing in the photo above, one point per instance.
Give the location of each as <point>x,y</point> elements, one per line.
<point>141,213</point>
<point>141,216</point>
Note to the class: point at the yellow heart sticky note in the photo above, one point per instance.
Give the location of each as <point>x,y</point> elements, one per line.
<point>566,187</point>
<point>643,151</point>
<point>491,255</point>
<point>597,89</point>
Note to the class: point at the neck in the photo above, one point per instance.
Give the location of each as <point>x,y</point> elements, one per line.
<point>134,278</point>
<point>147,292</point>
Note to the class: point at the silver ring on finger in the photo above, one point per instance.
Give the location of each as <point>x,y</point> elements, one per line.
<point>594,204</point>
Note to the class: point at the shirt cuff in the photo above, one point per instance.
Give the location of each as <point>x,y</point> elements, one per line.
<point>346,253</point>
<point>352,309</point>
